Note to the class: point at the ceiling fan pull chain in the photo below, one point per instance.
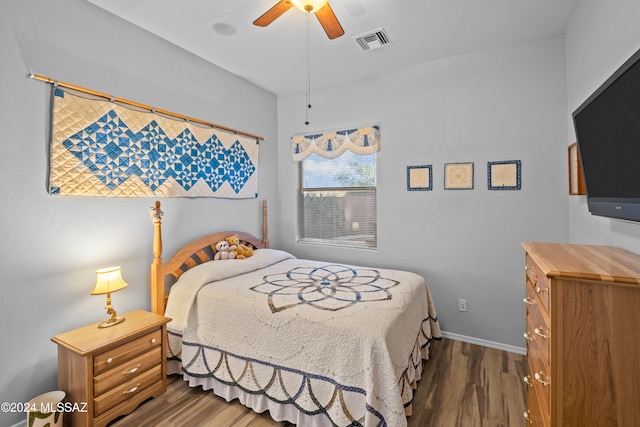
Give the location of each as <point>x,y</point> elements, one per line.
<point>308,106</point>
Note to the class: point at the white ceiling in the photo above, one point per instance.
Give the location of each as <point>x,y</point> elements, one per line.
<point>274,57</point>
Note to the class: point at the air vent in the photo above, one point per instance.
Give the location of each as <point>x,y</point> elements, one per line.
<point>373,40</point>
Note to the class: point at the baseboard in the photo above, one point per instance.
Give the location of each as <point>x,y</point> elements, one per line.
<point>484,343</point>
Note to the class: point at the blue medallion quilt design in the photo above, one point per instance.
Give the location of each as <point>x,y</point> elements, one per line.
<point>330,287</point>
<point>125,152</point>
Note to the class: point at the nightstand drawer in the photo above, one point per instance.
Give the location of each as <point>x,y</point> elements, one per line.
<point>127,390</point>
<point>118,355</point>
<point>125,372</point>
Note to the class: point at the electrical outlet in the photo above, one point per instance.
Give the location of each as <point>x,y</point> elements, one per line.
<point>462,305</point>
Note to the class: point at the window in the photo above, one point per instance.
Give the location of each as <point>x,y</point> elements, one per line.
<point>337,201</point>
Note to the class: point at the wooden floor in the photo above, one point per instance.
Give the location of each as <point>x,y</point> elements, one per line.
<point>463,385</point>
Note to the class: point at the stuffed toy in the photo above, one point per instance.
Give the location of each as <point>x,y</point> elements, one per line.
<point>224,251</point>
<point>242,251</point>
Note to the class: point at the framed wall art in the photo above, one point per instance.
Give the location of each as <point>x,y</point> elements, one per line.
<point>419,178</point>
<point>458,176</point>
<point>504,175</point>
<point>576,180</point>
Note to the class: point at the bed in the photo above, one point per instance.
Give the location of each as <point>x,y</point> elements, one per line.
<point>314,343</point>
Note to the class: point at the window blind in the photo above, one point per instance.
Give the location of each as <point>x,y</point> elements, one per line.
<point>337,200</point>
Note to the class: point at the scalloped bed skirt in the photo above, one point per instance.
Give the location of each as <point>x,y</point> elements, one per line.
<point>260,403</point>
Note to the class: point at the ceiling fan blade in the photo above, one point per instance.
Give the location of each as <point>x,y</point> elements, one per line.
<point>329,22</point>
<point>274,13</point>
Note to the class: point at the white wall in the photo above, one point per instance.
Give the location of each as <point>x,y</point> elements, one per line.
<point>51,246</point>
<point>506,103</point>
<point>600,38</point>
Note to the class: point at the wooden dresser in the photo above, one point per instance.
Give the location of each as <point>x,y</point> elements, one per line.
<point>108,372</point>
<point>583,335</point>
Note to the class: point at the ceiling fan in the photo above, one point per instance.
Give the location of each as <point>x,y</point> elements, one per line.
<point>320,8</point>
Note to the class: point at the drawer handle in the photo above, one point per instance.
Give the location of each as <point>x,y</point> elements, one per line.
<point>528,301</point>
<point>132,370</point>
<point>527,380</point>
<point>540,332</point>
<point>541,290</point>
<point>109,360</point>
<point>527,336</point>
<point>528,417</point>
<point>153,340</point>
<point>540,377</point>
<point>132,389</point>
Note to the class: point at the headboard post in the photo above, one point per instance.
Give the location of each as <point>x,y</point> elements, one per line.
<point>190,255</point>
<point>157,269</point>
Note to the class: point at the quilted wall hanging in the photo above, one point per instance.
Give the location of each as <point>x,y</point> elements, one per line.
<point>102,148</point>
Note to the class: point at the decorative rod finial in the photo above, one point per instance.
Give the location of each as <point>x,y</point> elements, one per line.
<point>156,213</point>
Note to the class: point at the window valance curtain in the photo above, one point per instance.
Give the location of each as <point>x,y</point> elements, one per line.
<point>362,140</point>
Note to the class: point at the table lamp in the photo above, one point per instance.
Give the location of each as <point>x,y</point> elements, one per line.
<point>109,280</point>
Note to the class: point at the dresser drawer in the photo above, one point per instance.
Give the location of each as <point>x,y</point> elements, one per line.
<point>539,282</point>
<point>538,330</point>
<point>125,391</point>
<point>539,379</point>
<point>537,349</point>
<point>118,355</point>
<point>538,356</point>
<point>537,409</point>
<point>126,371</point>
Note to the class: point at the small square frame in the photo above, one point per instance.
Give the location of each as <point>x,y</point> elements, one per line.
<point>458,176</point>
<point>504,175</point>
<point>419,178</point>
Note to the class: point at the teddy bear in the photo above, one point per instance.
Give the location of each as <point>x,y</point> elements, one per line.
<point>224,251</point>
<point>242,251</point>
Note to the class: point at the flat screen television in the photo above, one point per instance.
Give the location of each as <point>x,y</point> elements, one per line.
<point>607,129</point>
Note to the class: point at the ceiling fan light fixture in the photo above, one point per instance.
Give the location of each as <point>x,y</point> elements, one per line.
<point>320,8</point>
<point>309,5</point>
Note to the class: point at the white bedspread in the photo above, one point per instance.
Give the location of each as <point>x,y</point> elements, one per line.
<point>340,340</point>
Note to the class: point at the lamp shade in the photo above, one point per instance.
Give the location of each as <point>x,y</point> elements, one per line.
<point>108,280</point>
<point>309,5</point>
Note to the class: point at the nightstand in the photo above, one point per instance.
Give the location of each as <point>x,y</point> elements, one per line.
<point>108,372</point>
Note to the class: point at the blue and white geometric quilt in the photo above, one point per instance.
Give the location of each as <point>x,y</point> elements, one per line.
<point>101,148</point>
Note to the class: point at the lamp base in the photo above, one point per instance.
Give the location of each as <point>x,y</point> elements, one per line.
<point>111,322</point>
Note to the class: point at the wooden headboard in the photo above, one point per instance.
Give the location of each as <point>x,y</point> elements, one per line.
<point>192,254</point>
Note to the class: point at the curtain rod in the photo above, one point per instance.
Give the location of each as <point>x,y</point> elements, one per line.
<point>139,105</point>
